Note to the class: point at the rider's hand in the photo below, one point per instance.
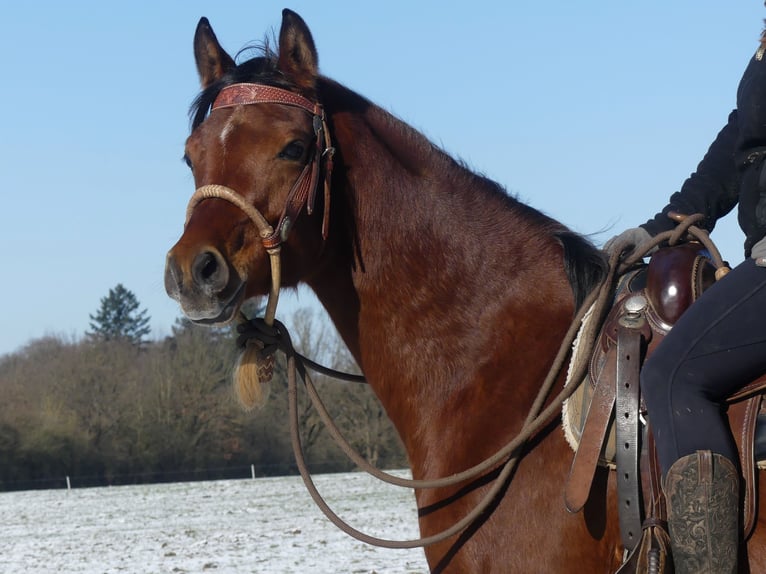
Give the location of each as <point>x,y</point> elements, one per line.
<point>628,240</point>
<point>759,253</point>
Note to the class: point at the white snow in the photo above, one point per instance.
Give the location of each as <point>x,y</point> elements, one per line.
<point>268,526</point>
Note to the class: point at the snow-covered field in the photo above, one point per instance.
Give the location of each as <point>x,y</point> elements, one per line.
<point>267,525</point>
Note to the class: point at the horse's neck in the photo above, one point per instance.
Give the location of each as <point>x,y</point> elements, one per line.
<point>403,219</point>
<point>420,280</point>
<point>421,226</point>
<point>408,200</point>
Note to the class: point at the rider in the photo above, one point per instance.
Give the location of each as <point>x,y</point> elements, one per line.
<point>717,346</point>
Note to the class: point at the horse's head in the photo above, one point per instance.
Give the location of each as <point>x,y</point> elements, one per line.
<point>257,149</point>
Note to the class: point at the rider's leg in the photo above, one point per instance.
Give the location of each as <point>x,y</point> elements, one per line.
<point>716,347</point>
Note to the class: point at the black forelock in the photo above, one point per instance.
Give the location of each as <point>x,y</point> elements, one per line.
<point>261,69</point>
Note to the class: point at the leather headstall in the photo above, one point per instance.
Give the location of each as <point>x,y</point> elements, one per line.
<point>303,192</point>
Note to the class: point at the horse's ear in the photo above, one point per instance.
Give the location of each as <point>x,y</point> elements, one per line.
<point>212,61</point>
<point>297,52</point>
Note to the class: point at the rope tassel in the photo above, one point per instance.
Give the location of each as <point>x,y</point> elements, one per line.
<point>254,369</point>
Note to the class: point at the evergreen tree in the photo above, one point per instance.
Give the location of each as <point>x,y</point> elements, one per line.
<point>118,318</point>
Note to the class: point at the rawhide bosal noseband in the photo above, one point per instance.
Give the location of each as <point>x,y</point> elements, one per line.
<point>303,191</point>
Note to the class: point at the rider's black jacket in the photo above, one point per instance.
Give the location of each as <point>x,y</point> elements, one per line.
<point>732,170</point>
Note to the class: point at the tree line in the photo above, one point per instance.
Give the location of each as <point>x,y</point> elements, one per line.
<point>114,408</point>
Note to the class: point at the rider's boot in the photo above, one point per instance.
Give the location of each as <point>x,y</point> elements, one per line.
<point>702,492</point>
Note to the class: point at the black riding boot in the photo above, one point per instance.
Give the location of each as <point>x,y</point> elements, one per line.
<point>702,492</point>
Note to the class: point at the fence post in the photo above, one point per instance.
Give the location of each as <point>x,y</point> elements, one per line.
<point>68,483</point>
<point>252,471</point>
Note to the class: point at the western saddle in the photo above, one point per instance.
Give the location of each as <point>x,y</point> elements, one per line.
<point>605,420</point>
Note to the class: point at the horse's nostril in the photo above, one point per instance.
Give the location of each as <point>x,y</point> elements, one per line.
<point>209,271</point>
<point>208,266</point>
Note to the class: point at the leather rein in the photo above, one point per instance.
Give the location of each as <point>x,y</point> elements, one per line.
<point>542,411</point>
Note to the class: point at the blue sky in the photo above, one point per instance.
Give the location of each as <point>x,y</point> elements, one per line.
<point>593,112</point>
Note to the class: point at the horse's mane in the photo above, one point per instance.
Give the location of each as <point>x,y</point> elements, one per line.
<point>585,265</point>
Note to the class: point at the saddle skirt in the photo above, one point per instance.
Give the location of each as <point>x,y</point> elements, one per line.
<point>664,288</point>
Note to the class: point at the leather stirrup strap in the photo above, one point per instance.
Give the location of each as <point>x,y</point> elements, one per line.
<point>597,421</point>
<point>627,429</point>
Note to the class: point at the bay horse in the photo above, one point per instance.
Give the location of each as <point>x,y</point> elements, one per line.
<point>452,296</point>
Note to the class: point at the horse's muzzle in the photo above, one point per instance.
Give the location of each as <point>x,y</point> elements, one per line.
<point>208,290</point>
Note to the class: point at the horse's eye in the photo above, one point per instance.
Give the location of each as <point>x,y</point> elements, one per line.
<point>293,151</point>
<point>188,162</point>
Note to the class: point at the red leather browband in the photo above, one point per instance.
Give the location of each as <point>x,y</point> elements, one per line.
<point>244,94</point>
